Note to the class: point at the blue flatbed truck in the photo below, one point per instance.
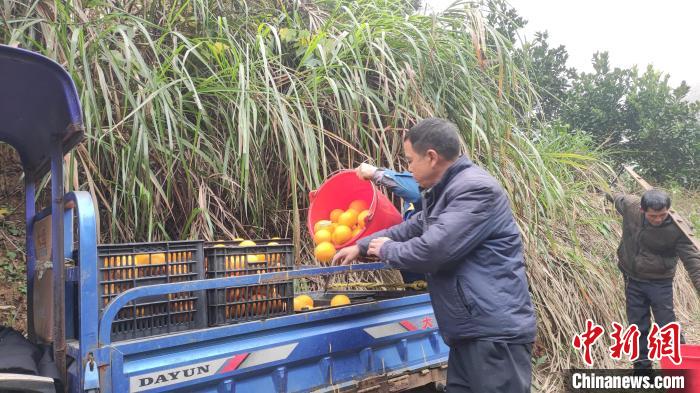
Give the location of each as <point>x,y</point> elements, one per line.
<point>388,341</point>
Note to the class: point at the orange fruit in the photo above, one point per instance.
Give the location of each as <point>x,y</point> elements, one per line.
<point>357,231</point>
<point>259,305</point>
<point>323,235</point>
<point>150,259</point>
<point>340,300</point>
<point>335,214</point>
<point>235,262</point>
<point>330,228</point>
<point>303,302</point>
<point>142,259</point>
<point>240,310</point>
<point>157,258</point>
<point>256,258</point>
<point>348,218</point>
<point>274,257</point>
<point>358,205</point>
<point>341,235</point>
<point>361,218</point>
<point>324,252</point>
<point>321,224</point>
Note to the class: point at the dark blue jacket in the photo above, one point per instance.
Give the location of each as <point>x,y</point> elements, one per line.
<point>467,242</point>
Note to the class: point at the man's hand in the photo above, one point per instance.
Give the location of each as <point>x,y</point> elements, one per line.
<point>365,171</point>
<point>346,256</point>
<point>603,193</point>
<point>375,245</point>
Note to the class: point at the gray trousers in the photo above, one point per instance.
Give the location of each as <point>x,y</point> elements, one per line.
<point>489,367</point>
<point>643,297</point>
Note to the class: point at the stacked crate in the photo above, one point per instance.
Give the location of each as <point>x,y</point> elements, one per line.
<point>126,266</point>
<point>253,302</point>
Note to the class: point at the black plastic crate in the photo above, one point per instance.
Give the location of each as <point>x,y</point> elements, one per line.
<point>238,304</point>
<point>125,266</point>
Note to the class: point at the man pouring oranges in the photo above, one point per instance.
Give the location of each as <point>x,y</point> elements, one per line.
<point>467,243</point>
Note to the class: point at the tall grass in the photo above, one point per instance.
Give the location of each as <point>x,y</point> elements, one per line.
<point>230,115</point>
<point>213,119</point>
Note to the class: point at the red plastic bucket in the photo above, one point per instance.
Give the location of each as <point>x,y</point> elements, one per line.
<point>339,190</point>
<point>690,361</point>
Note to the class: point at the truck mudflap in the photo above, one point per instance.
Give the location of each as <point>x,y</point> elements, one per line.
<point>392,344</point>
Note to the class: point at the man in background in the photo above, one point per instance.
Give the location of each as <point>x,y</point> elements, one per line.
<point>647,256</point>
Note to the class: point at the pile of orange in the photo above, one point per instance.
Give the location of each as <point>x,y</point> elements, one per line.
<point>340,227</point>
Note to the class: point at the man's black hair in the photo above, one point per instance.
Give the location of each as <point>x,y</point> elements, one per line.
<point>656,200</point>
<point>434,133</point>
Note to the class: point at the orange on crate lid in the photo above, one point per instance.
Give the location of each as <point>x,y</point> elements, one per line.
<point>303,302</point>
<point>340,300</point>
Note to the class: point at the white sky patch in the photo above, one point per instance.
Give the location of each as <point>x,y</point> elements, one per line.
<point>663,33</point>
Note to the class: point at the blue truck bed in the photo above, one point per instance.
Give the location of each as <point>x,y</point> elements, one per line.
<point>314,351</point>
